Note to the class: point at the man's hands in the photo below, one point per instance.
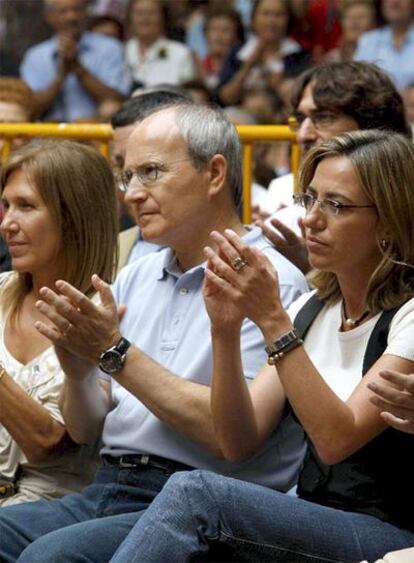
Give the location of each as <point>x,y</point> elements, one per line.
<point>288,243</point>
<point>77,324</point>
<point>68,51</point>
<point>395,398</point>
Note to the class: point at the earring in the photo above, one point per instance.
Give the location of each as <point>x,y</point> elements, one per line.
<point>384,244</point>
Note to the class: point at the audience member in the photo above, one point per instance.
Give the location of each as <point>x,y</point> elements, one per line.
<point>355,492</point>
<point>334,98</point>
<point>357,17</point>
<point>75,70</point>
<point>59,221</point>
<point>131,243</point>
<point>152,58</point>
<point>316,25</point>
<point>266,57</point>
<point>158,419</point>
<point>328,100</point>
<point>224,31</point>
<point>391,47</point>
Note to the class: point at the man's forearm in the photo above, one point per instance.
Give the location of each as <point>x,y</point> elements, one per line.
<point>181,404</point>
<point>84,404</point>
<point>44,99</point>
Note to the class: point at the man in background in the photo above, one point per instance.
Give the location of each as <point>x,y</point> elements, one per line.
<point>74,71</point>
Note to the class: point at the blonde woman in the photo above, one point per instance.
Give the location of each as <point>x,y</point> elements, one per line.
<point>59,222</point>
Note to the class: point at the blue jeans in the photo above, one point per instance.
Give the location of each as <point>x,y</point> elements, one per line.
<point>198,509</point>
<point>86,527</point>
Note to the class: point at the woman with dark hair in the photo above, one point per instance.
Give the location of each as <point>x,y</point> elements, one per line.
<point>151,58</point>
<point>267,57</point>
<point>59,221</point>
<point>356,488</point>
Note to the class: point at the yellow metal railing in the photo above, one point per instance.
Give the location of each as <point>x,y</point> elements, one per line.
<point>249,134</point>
<point>80,131</point>
<point>253,133</point>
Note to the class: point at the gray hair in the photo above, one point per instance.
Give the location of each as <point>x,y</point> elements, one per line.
<point>207,131</point>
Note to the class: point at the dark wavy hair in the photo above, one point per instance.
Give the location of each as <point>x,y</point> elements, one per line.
<point>357,89</point>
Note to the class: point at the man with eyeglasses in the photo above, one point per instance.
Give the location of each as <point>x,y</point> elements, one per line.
<point>182,179</point>
<point>328,100</point>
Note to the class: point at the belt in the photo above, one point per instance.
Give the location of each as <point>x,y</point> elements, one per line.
<point>144,460</point>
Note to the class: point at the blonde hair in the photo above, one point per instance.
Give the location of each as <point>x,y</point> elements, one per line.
<point>384,165</point>
<point>77,186</point>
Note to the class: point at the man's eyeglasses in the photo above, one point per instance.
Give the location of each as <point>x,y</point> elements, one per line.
<point>320,119</point>
<point>327,206</point>
<point>147,174</point>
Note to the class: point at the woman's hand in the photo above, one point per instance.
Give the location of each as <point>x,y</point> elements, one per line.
<point>241,282</point>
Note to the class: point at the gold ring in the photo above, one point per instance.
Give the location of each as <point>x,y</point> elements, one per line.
<point>239,263</point>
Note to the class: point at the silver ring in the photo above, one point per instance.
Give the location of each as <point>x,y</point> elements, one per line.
<point>239,263</point>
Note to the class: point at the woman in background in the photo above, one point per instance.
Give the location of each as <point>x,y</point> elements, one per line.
<point>266,58</point>
<point>151,58</point>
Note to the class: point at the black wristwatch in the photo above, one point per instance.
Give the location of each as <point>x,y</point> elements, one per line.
<point>112,360</point>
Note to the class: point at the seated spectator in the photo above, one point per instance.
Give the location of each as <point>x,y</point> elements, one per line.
<point>391,47</point>
<point>151,58</point>
<point>357,17</point>
<point>356,487</point>
<point>59,221</point>
<point>316,25</point>
<point>331,99</point>
<point>131,242</point>
<point>75,70</point>
<point>182,178</point>
<point>224,31</point>
<point>266,58</point>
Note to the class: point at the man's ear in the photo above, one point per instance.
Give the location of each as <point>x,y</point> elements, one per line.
<point>217,173</point>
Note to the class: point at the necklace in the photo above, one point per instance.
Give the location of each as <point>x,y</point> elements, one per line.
<point>353,322</point>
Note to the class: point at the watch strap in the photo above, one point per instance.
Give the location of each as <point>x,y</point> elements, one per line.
<point>122,345</point>
<point>285,343</point>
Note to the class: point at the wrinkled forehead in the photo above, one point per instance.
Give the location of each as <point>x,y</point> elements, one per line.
<point>157,138</point>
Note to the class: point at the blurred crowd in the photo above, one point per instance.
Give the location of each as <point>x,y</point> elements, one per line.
<point>241,54</point>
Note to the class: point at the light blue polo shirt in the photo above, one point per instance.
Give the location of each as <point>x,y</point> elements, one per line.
<point>166,318</point>
<point>102,56</point>
<point>377,46</point>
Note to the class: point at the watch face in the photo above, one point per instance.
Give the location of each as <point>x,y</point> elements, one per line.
<point>111,361</point>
